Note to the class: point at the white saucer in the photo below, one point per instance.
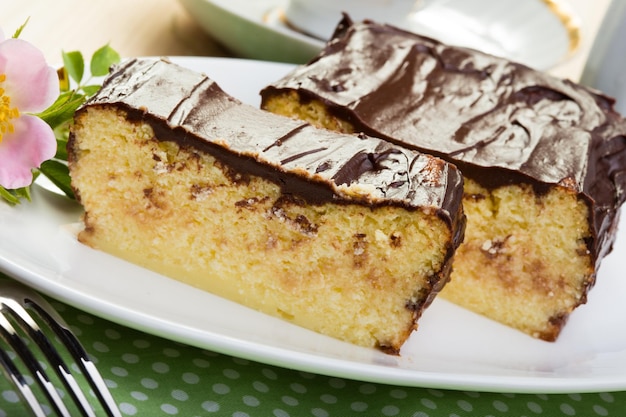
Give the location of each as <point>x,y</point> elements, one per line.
<point>539,33</point>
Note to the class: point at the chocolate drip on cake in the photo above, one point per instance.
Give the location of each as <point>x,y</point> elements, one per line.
<point>273,146</point>
<point>346,235</point>
<point>544,159</point>
<point>499,121</point>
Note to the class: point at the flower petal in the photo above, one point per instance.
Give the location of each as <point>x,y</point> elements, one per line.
<point>31,143</point>
<point>32,85</point>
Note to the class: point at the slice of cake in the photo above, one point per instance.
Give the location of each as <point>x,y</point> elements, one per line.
<point>346,235</point>
<point>544,160</point>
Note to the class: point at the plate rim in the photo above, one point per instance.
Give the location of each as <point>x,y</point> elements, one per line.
<point>55,286</point>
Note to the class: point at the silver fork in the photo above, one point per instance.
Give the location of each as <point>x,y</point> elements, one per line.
<point>24,315</point>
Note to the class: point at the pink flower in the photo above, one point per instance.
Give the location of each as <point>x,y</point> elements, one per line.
<point>27,85</point>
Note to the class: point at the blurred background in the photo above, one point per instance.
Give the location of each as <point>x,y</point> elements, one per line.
<point>216,28</point>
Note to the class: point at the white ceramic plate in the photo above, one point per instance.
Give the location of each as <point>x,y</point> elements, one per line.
<point>539,33</point>
<point>452,349</point>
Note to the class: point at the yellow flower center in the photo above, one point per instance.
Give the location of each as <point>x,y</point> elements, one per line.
<point>7,113</point>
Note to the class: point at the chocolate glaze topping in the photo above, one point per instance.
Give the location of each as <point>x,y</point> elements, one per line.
<point>500,122</point>
<point>310,164</point>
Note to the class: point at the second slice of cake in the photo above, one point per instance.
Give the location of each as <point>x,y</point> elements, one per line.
<point>544,159</point>
<point>349,236</point>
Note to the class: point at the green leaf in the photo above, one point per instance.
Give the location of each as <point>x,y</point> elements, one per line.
<point>59,174</point>
<point>9,196</point>
<point>23,192</point>
<point>90,90</point>
<point>102,59</point>
<point>74,64</point>
<point>13,197</point>
<point>19,30</point>
<point>62,110</point>
<point>61,149</point>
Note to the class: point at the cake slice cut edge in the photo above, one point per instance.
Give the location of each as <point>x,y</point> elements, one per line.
<point>544,159</point>
<point>352,241</point>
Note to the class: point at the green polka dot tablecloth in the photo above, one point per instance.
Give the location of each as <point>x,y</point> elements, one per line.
<point>151,376</point>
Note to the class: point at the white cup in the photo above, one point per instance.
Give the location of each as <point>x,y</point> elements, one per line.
<point>605,68</point>
<point>320,17</point>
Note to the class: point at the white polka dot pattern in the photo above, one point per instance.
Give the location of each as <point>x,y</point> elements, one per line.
<point>150,376</point>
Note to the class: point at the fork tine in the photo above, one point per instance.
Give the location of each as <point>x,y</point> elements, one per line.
<point>22,300</point>
<point>30,326</point>
<point>13,373</point>
<point>11,336</point>
<point>71,343</point>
